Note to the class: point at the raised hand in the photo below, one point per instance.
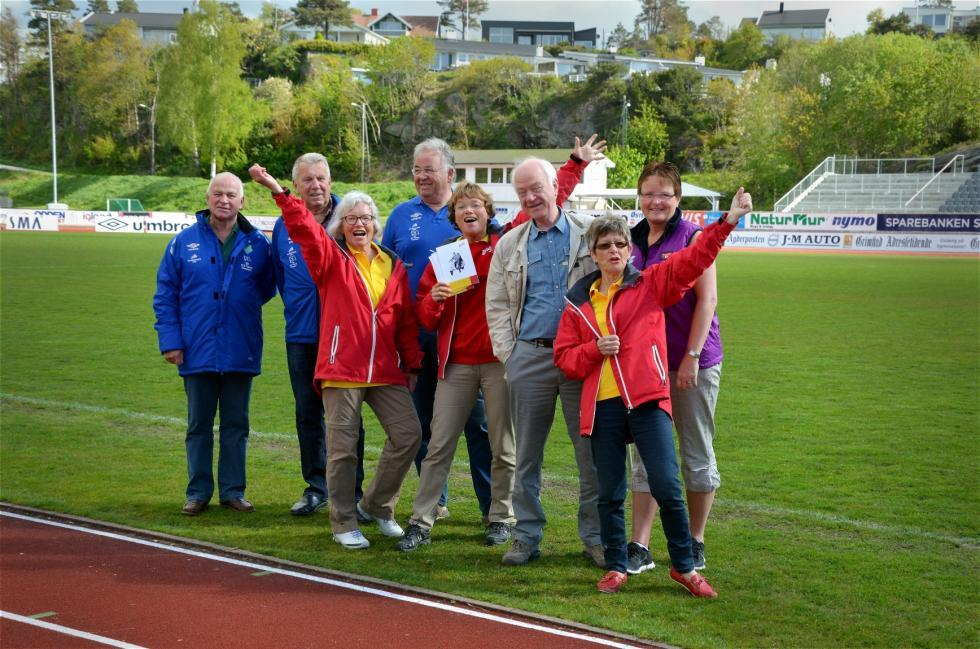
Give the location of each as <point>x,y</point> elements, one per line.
<point>741,205</point>
<point>262,177</point>
<point>591,150</point>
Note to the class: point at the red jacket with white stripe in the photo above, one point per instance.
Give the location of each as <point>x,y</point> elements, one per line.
<point>636,315</point>
<point>358,342</point>
<point>442,317</point>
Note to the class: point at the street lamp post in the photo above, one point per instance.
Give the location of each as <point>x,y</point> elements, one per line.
<point>364,135</point>
<point>625,119</point>
<point>57,15</point>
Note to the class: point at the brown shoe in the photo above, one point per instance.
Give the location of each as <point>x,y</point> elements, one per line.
<point>193,507</point>
<point>239,505</point>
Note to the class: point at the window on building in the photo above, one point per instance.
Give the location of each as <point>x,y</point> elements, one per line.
<point>927,20</point>
<point>497,175</point>
<point>389,26</point>
<point>525,39</point>
<point>501,35</point>
<point>940,20</point>
<point>552,39</point>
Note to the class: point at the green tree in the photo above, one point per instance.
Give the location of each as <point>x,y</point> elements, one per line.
<point>629,163</point>
<point>462,14</point>
<point>322,13</point>
<point>10,45</point>
<point>659,16</point>
<point>205,109</point>
<point>399,73</point>
<point>127,7</point>
<point>618,37</point>
<point>972,30</point>
<point>744,47</point>
<point>879,24</point>
<point>273,17</point>
<point>113,83</point>
<point>647,133</point>
<point>98,6</point>
<point>39,25</point>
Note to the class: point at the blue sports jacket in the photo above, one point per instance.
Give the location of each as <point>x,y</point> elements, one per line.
<point>209,309</point>
<point>300,298</point>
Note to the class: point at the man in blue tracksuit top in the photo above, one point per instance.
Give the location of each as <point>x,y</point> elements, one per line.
<point>213,280</point>
<point>414,229</point>
<point>301,308</point>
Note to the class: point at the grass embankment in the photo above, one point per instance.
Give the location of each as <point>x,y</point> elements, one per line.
<point>848,426</point>
<point>164,193</point>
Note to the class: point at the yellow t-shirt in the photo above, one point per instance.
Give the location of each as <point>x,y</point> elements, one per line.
<point>376,273</point>
<point>608,388</point>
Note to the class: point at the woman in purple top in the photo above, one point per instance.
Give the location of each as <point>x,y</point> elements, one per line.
<point>694,359</point>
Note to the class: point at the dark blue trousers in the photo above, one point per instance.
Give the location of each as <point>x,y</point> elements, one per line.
<point>651,430</point>
<point>208,393</point>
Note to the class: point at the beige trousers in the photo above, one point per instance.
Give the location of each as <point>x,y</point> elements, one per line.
<point>392,404</point>
<point>455,395</point>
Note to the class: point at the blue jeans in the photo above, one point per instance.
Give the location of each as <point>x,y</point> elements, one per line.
<point>651,430</point>
<point>206,394</point>
<point>475,430</point>
<point>310,428</point>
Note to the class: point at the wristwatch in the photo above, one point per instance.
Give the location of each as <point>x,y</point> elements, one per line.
<point>693,354</point>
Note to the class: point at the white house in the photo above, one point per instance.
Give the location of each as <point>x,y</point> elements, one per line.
<point>940,19</point>
<point>801,24</point>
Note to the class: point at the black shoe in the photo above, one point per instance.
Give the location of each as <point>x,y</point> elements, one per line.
<point>414,536</point>
<point>638,559</point>
<point>239,505</point>
<point>308,504</point>
<point>498,533</point>
<point>697,553</point>
<point>193,507</point>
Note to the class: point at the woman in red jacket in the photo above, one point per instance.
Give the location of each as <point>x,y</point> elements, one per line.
<point>611,337</point>
<point>368,352</point>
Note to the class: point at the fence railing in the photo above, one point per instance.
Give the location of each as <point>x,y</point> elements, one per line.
<point>937,175</point>
<point>791,197</point>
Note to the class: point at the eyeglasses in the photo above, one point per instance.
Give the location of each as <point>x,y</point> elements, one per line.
<point>476,205</point>
<point>425,171</point>
<point>657,197</point>
<point>606,245</point>
<point>354,219</point>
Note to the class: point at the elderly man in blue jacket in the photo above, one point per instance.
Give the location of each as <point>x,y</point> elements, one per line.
<point>212,282</point>
<point>301,308</point>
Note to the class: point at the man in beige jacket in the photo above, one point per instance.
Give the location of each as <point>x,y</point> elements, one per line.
<point>532,267</point>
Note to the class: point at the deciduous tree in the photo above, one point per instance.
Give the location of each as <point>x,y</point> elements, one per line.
<point>127,7</point>
<point>322,13</point>
<point>205,108</point>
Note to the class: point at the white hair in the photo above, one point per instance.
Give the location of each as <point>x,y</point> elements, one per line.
<point>544,165</point>
<point>227,174</point>
<point>309,159</point>
<point>335,227</point>
<point>436,145</point>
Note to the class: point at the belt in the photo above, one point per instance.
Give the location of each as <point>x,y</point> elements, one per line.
<point>542,342</point>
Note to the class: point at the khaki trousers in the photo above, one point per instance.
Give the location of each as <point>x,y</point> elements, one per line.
<point>392,404</point>
<point>455,395</point>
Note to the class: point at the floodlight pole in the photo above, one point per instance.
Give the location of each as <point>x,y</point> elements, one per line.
<point>625,119</point>
<point>364,141</point>
<point>54,135</point>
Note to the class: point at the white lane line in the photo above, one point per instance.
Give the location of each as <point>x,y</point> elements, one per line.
<point>720,504</point>
<point>327,581</point>
<point>101,639</point>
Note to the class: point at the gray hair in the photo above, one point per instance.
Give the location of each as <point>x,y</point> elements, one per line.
<point>607,224</point>
<point>309,159</point>
<point>238,181</point>
<point>335,227</point>
<point>436,145</point>
<point>544,165</point>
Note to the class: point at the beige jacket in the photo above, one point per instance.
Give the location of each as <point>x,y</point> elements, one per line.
<point>507,281</point>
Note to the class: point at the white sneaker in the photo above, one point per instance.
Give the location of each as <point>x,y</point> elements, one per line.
<point>388,526</point>
<point>352,540</point>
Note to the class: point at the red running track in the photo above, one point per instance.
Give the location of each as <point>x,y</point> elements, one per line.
<point>136,592</point>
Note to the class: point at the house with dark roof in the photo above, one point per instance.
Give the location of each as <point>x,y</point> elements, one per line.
<point>798,24</point>
<point>525,32</point>
<point>154,28</point>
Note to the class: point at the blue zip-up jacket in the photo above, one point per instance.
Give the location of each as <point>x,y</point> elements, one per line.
<point>212,310</point>
<point>300,298</point>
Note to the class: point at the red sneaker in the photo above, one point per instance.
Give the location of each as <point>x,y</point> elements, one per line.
<point>696,585</point>
<point>611,582</point>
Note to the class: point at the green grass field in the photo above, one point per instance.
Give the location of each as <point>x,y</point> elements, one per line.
<point>849,446</point>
